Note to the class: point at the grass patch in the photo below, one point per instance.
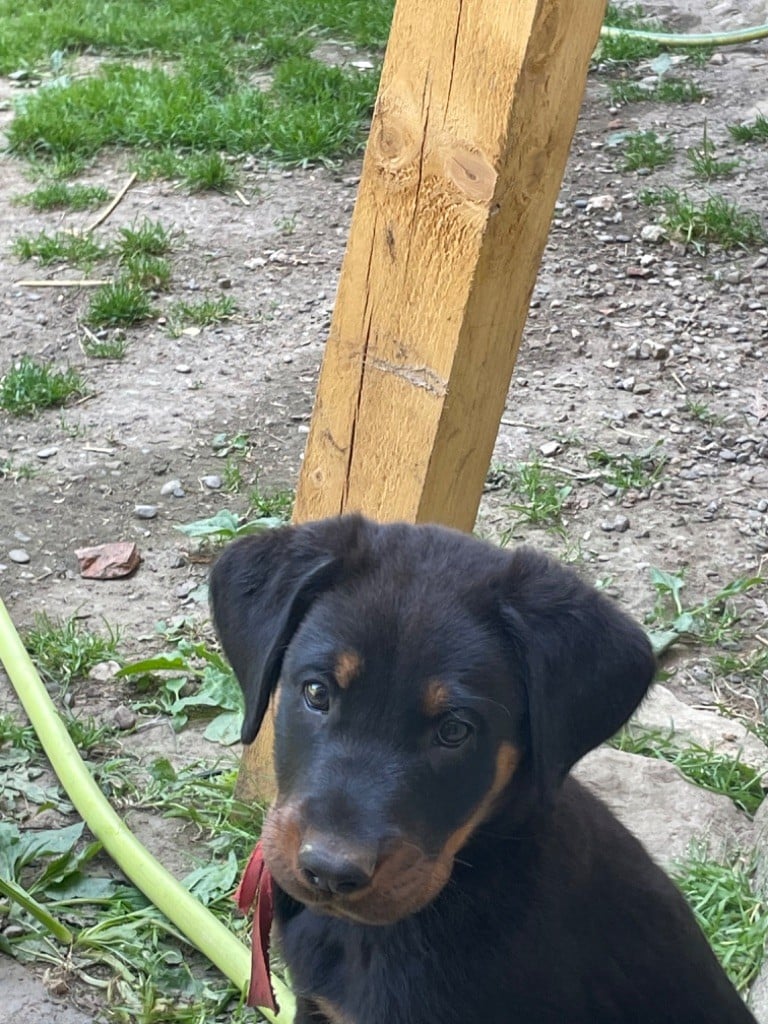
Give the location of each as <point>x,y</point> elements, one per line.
<point>709,769</point>
<point>200,314</point>
<point>10,471</point>
<point>77,250</point>
<point>153,272</point>
<point>542,496</point>
<point>622,49</point>
<point>757,131</point>
<point>207,172</point>
<point>30,386</point>
<point>119,304</point>
<point>667,90</point>
<point>645,150</point>
<point>58,195</point>
<point>104,348</point>
<point>63,649</point>
<point>716,220</point>
<point>733,918</point>
<point>703,413</point>
<point>312,112</point>
<point>275,504</point>
<point>150,238</point>
<point>705,164</point>
<point>626,471</point>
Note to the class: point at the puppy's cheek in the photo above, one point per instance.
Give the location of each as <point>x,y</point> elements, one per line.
<point>281,839</point>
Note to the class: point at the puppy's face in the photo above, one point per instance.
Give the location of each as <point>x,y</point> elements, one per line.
<point>398,731</point>
<point>422,680</point>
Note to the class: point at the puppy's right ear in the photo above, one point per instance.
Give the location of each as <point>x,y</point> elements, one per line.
<point>261,588</point>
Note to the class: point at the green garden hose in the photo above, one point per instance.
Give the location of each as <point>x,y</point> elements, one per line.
<point>744,35</point>
<point>194,920</point>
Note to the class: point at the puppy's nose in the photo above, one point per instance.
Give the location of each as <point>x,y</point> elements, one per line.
<point>330,868</point>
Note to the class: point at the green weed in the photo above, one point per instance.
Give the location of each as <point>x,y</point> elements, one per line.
<point>703,413</point>
<point>709,769</point>
<point>119,304</point>
<point>757,131</point>
<point>200,314</point>
<point>668,90</point>
<point>57,195</point>
<point>79,250</point>
<point>153,272</point>
<point>226,526</point>
<point>645,150</point>
<point>713,621</point>
<point>271,504</point>
<point>150,238</point>
<point>542,496</point>
<point>207,172</point>
<point>705,164</point>
<point>63,649</point>
<point>30,386</point>
<point>733,918</point>
<point>10,471</point>
<point>716,221</point>
<point>104,348</point>
<point>626,470</point>
<point>622,49</point>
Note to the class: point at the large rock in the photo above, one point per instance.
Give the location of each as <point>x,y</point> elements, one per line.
<point>685,725</point>
<point>666,812</point>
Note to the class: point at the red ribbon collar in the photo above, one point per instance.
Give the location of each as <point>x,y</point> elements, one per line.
<point>255,892</point>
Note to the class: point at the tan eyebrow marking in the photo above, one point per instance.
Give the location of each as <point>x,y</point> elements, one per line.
<point>349,664</point>
<point>436,699</point>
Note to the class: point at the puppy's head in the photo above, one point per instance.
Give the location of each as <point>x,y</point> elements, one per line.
<point>425,683</point>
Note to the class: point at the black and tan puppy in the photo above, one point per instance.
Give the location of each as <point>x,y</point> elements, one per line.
<point>434,862</point>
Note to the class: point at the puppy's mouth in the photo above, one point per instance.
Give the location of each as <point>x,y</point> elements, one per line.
<point>404,881</point>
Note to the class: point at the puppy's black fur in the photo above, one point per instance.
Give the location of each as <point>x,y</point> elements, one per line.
<point>434,861</point>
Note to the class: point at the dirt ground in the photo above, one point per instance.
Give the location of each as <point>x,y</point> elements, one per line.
<point>630,343</point>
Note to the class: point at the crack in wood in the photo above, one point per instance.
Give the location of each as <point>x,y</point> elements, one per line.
<point>418,376</point>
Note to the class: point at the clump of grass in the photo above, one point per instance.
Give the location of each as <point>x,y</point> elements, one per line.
<point>104,348</point>
<point>150,238</point>
<point>705,165</point>
<point>733,918</point>
<point>709,769</point>
<point>64,650</point>
<point>623,49</point>
<point>152,272</point>
<point>79,250</point>
<point>57,195</point>
<point>627,470</point>
<point>10,471</point>
<point>207,172</point>
<point>757,131</point>
<point>200,314</point>
<point>30,386</point>
<point>119,304</point>
<point>645,150</point>
<point>667,90</point>
<point>277,504</point>
<point>542,496</point>
<point>716,221</point>
<point>703,413</point>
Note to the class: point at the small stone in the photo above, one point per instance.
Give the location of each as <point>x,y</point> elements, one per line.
<point>621,524</point>
<point>727,455</point>
<point>183,368</point>
<point>762,505</point>
<point>653,233</point>
<point>213,481</point>
<point>549,448</point>
<point>171,487</point>
<point>18,555</point>
<point>124,717</point>
<point>47,453</point>
<point>104,671</point>
<point>641,389</point>
<point>760,262</point>
<point>145,511</point>
<point>185,589</point>
<point>224,282</point>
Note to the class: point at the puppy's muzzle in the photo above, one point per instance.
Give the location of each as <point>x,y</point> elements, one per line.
<point>332,867</point>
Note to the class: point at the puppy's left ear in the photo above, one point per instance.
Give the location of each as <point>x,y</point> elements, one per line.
<point>586,664</point>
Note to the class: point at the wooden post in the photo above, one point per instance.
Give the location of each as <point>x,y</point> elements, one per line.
<point>476,110</point>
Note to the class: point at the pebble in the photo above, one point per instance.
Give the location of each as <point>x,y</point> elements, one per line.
<point>183,368</point>
<point>619,524</point>
<point>18,555</point>
<point>145,511</point>
<point>727,455</point>
<point>213,481</point>
<point>653,233</point>
<point>124,717</point>
<point>47,453</point>
<point>550,448</point>
<point>104,671</point>
<point>185,589</point>
<point>172,487</point>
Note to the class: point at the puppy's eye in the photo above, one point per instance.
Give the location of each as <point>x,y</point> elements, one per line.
<point>316,695</point>
<point>452,732</point>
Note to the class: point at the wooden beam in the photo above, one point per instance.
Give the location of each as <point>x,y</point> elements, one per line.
<point>476,110</point>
